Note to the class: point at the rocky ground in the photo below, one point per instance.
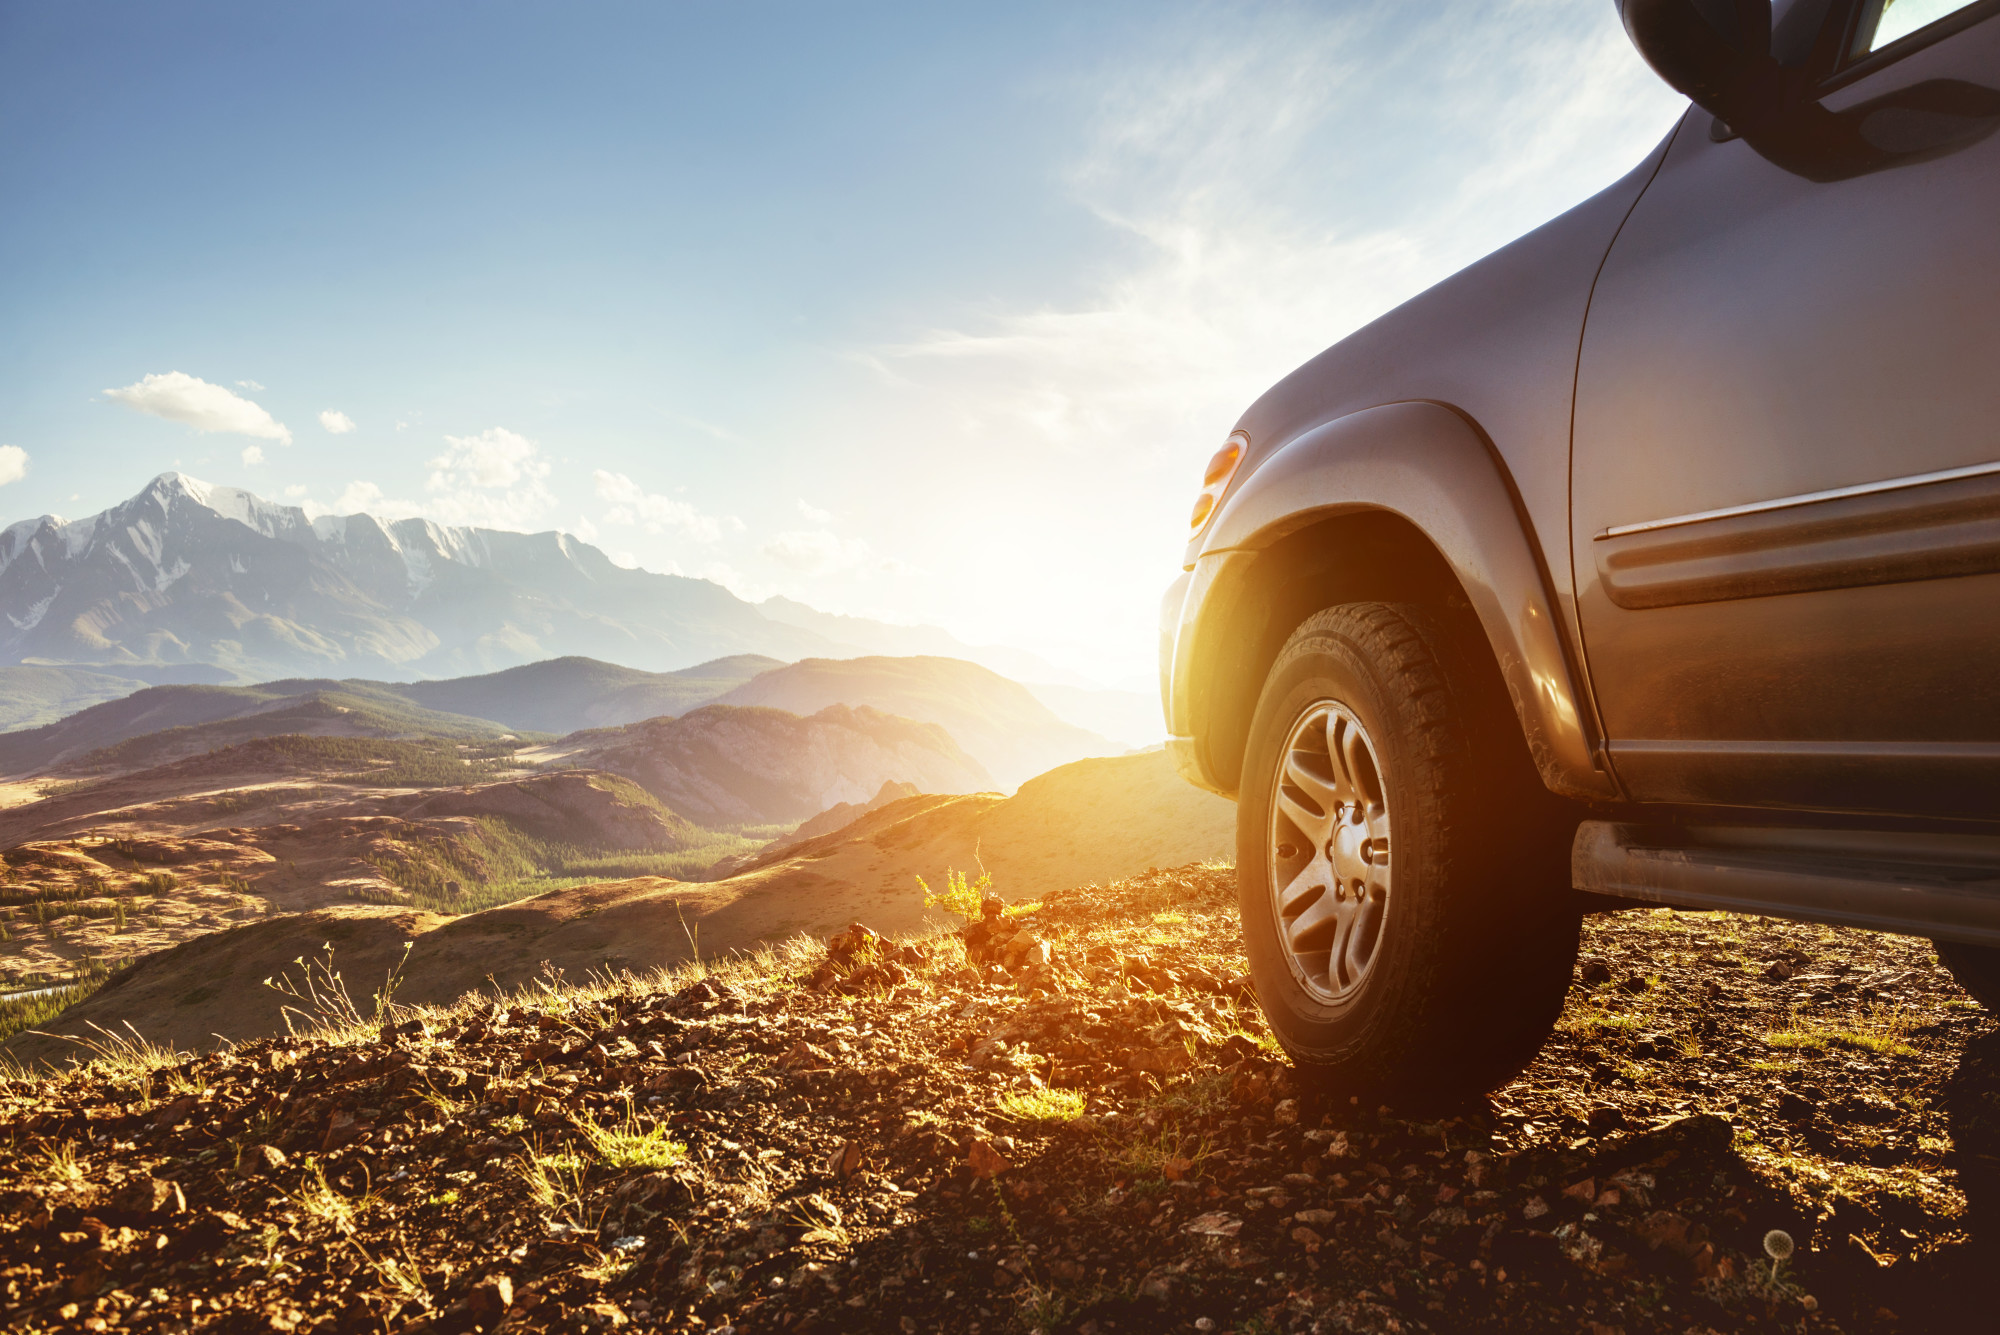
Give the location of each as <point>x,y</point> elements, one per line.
<point>1074,1121</point>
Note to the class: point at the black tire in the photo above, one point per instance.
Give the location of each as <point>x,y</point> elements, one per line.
<point>1977,969</point>
<point>1474,930</point>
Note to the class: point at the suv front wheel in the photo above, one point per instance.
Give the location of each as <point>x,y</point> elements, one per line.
<point>1403,873</point>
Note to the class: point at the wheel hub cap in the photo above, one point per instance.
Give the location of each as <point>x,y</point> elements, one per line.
<point>1329,851</point>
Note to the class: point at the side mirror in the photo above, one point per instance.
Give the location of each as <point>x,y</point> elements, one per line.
<point>1717,52</point>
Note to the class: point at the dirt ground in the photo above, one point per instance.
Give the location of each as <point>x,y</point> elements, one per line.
<point>914,1139</point>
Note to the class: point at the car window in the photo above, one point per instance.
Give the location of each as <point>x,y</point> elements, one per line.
<point>1886,21</point>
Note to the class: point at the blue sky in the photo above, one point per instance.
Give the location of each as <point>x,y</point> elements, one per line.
<point>923,312</point>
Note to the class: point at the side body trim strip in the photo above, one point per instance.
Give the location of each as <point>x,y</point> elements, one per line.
<point>1805,498</point>
<point>1930,526</point>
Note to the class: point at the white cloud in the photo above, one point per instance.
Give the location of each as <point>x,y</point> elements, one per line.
<point>253,454</point>
<point>1268,179</point>
<point>585,529</point>
<point>13,464</point>
<point>179,397</point>
<point>633,504</point>
<point>250,385</point>
<point>496,479</point>
<point>816,551</point>
<point>337,422</point>
<point>1225,168</point>
<point>295,492</point>
<point>813,514</point>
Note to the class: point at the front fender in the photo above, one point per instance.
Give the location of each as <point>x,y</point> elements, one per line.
<point>1428,464</point>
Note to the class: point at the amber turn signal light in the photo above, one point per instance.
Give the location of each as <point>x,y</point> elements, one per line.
<point>1214,482</point>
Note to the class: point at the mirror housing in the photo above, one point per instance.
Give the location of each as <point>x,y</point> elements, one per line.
<point>1717,52</point>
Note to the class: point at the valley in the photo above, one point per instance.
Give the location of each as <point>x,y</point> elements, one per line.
<point>158,843</point>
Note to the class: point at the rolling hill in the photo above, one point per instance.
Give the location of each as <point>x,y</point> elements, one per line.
<point>1096,820</point>
<point>724,765</point>
<point>561,695</point>
<point>999,722</point>
<point>33,696</point>
<point>162,723</point>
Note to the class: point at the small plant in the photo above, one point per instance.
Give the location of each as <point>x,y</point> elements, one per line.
<point>324,1008</point>
<point>158,883</point>
<point>1778,1246</point>
<point>959,895</point>
<point>321,1200</point>
<point>629,1145</point>
<point>555,1184</point>
<point>57,1165</point>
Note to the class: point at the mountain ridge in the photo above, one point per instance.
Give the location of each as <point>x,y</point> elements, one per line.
<point>185,574</point>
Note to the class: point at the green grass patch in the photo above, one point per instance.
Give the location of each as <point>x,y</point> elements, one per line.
<point>631,1145</point>
<point>1041,1105</point>
<point>1880,1031</point>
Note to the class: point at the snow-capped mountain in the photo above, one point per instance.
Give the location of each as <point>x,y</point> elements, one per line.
<point>185,572</point>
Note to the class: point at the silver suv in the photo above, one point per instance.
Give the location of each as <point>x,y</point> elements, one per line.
<point>1655,556</point>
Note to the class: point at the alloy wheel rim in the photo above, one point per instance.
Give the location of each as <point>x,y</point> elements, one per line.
<point>1329,851</point>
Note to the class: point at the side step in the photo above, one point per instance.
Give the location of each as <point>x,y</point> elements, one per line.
<point>1946,887</point>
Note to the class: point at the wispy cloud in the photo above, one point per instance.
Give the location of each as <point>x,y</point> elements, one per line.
<point>496,479</point>
<point>817,551</point>
<point>337,422</point>
<point>633,504</point>
<point>1279,180</point>
<point>253,454</point>
<point>1268,179</point>
<point>180,397</point>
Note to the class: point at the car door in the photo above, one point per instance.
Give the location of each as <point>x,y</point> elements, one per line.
<point>1785,469</point>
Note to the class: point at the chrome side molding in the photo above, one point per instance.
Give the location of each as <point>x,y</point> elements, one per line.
<point>1805,498</point>
<point>1928,526</point>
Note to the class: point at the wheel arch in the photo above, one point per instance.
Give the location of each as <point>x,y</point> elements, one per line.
<point>1406,502</point>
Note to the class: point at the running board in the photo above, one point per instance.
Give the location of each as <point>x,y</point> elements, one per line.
<point>1946,887</point>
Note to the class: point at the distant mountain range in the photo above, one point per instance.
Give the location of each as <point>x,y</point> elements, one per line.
<point>999,721</point>
<point>186,575</point>
<point>1007,735</point>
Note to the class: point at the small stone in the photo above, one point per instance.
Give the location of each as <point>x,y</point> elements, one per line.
<point>985,1160</point>
<point>1306,1238</point>
<point>1286,1113</point>
<point>844,1162</point>
<point>1213,1225</point>
<point>493,1295</point>
<point>1315,1218</point>
<point>1535,1208</point>
<point>261,1161</point>
<point>1585,1191</point>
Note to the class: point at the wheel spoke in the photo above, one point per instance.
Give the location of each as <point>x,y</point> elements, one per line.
<point>1317,789</point>
<point>1312,880</point>
<point>1325,917</point>
<point>1359,767</point>
<point>1357,944</point>
<point>1315,827</point>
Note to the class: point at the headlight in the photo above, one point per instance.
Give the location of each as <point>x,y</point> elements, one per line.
<point>1215,482</point>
